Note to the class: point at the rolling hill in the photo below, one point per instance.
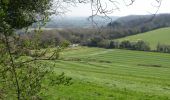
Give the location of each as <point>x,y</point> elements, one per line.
<point>112,74</point>
<point>154,37</point>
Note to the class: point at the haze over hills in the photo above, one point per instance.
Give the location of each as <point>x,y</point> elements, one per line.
<point>77,22</point>
<point>140,23</point>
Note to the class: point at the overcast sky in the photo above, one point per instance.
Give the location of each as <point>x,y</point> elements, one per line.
<point>140,7</point>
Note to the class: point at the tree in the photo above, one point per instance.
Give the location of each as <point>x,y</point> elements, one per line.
<point>125,44</point>
<point>142,45</point>
<point>21,76</point>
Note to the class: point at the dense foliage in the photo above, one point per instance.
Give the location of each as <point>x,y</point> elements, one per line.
<point>22,72</point>
<point>22,13</point>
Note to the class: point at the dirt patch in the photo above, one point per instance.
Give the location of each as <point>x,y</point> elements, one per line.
<point>149,65</point>
<point>86,60</point>
<point>72,59</point>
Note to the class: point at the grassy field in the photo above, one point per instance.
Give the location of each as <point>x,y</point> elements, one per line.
<point>153,37</point>
<point>112,74</point>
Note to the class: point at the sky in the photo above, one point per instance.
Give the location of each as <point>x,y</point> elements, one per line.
<point>139,7</point>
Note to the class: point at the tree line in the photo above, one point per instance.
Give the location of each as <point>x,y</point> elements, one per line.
<point>88,37</point>
<point>112,44</point>
<point>139,45</point>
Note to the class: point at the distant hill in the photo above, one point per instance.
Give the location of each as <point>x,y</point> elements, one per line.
<point>154,37</point>
<point>141,23</point>
<point>77,22</point>
<point>77,29</point>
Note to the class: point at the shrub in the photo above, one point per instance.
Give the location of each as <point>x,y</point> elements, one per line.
<point>163,48</point>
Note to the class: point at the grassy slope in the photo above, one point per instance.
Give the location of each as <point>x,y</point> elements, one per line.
<point>153,37</point>
<point>107,74</point>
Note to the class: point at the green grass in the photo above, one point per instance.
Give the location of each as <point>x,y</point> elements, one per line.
<point>153,37</point>
<point>112,74</point>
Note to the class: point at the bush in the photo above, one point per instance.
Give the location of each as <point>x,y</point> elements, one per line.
<point>142,45</point>
<point>163,48</point>
<point>114,44</point>
<point>93,42</point>
<point>139,45</point>
<point>104,44</point>
<point>125,45</point>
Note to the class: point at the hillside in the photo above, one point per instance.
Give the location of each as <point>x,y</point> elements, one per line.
<point>154,37</point>
<point>136,24</point>
<point>112,74</point>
